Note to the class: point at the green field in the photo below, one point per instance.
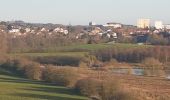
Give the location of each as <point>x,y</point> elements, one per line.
<point>15,88</point>
<point>77,50</point>
<point>58,54</point>
<point>92,47</point>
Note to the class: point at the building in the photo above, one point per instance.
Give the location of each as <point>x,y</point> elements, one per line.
<point>143,23</point>
<point>92,23</point>
<point>158,25</point>
<point>14,31</point>
<point>114,25</point>
<point>167,26</point>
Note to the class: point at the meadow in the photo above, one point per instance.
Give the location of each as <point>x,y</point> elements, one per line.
<point>17,88</point>
<point>75,50</point>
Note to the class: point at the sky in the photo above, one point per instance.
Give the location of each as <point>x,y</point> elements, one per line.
<point>81,12</point>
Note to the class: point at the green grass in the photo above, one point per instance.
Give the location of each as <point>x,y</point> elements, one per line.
<point>14,88</point>
<point>78,50</point>
<point>58,54</point>
<point>92,47</point>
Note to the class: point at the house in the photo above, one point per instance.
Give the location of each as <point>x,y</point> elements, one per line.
<point>14,31</point>
<point>65,32</point>
<point>32,31</point>
<point>114,25</point>
<point>100,34</point>
<point>57,29</point>
<point>114,35</point>
<point>167,26</point>
<point>28,30</point>
<point>156,31</point>
<point>95,31</point>
<point>43,30</point>
<point>158,25</point>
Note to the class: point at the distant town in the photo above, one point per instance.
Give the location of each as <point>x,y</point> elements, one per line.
<point>112,31</point>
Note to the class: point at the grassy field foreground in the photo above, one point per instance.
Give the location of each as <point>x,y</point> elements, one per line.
<point>14,88</point>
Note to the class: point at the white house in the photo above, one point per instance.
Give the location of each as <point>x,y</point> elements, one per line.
<point>65,32</point>
<point>114,35</point>
<point>32,32</point>
<point>57,29</point>
<point>167,26</point>
<point>108,35</point>
<point>28,30</point>
<point>100,34</point>
<point>114,25</point>
<point>43,30</point>
<point>14,31</point>
<point>156,31</point>
<point>158,25</point>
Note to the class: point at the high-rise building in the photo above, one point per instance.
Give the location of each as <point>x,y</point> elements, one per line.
<point>143,23</point>
<point>158,25</point>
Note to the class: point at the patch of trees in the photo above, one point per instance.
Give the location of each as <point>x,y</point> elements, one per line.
<point>65,76</point>
<point>23,67</point>
<point>60,61</point>
<point>3,43</point>
<point>134,55</point>
<point>156,39</point>
<point>107,89</point>
<point>39,43</point>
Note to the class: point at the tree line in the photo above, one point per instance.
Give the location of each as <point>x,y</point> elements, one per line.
<point>134,55</point>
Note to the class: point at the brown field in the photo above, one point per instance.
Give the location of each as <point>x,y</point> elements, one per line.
<point>145,88</point>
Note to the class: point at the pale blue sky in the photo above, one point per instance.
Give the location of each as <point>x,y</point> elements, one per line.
<point>83,11</point>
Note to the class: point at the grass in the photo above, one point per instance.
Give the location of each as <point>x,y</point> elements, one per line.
<point>58,54</point>
<point>15,88</point>
<point>92,47</point>
<point>77,50</point>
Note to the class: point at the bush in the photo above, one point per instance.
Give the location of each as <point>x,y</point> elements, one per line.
<point>153,67</point>
<point>24,67</point>
<point>88,87</point>
<point>60,75</point>
<point>12,65</point>
<point>152,63</point>
<point>108,89</point>
<point>111,90</point>
<point>59,60</point>
<point>33,71</point>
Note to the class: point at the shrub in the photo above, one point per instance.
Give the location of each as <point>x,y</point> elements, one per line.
<point>152,63</point>
<point>21,63</point>
<point>33,71</point>
<point>24,67</point>
<point>153,67</point>
<point>111,90</point>
<point>111,64</point>
<point>59,60</point>
<point>108,89</point>
<point>88,87</point>
<point>11,65</point>
<point>60,75</point>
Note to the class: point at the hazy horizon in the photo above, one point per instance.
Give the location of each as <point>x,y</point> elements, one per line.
<point>80,12</point>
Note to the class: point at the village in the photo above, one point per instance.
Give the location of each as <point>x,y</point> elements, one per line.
<point>113,32</point>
